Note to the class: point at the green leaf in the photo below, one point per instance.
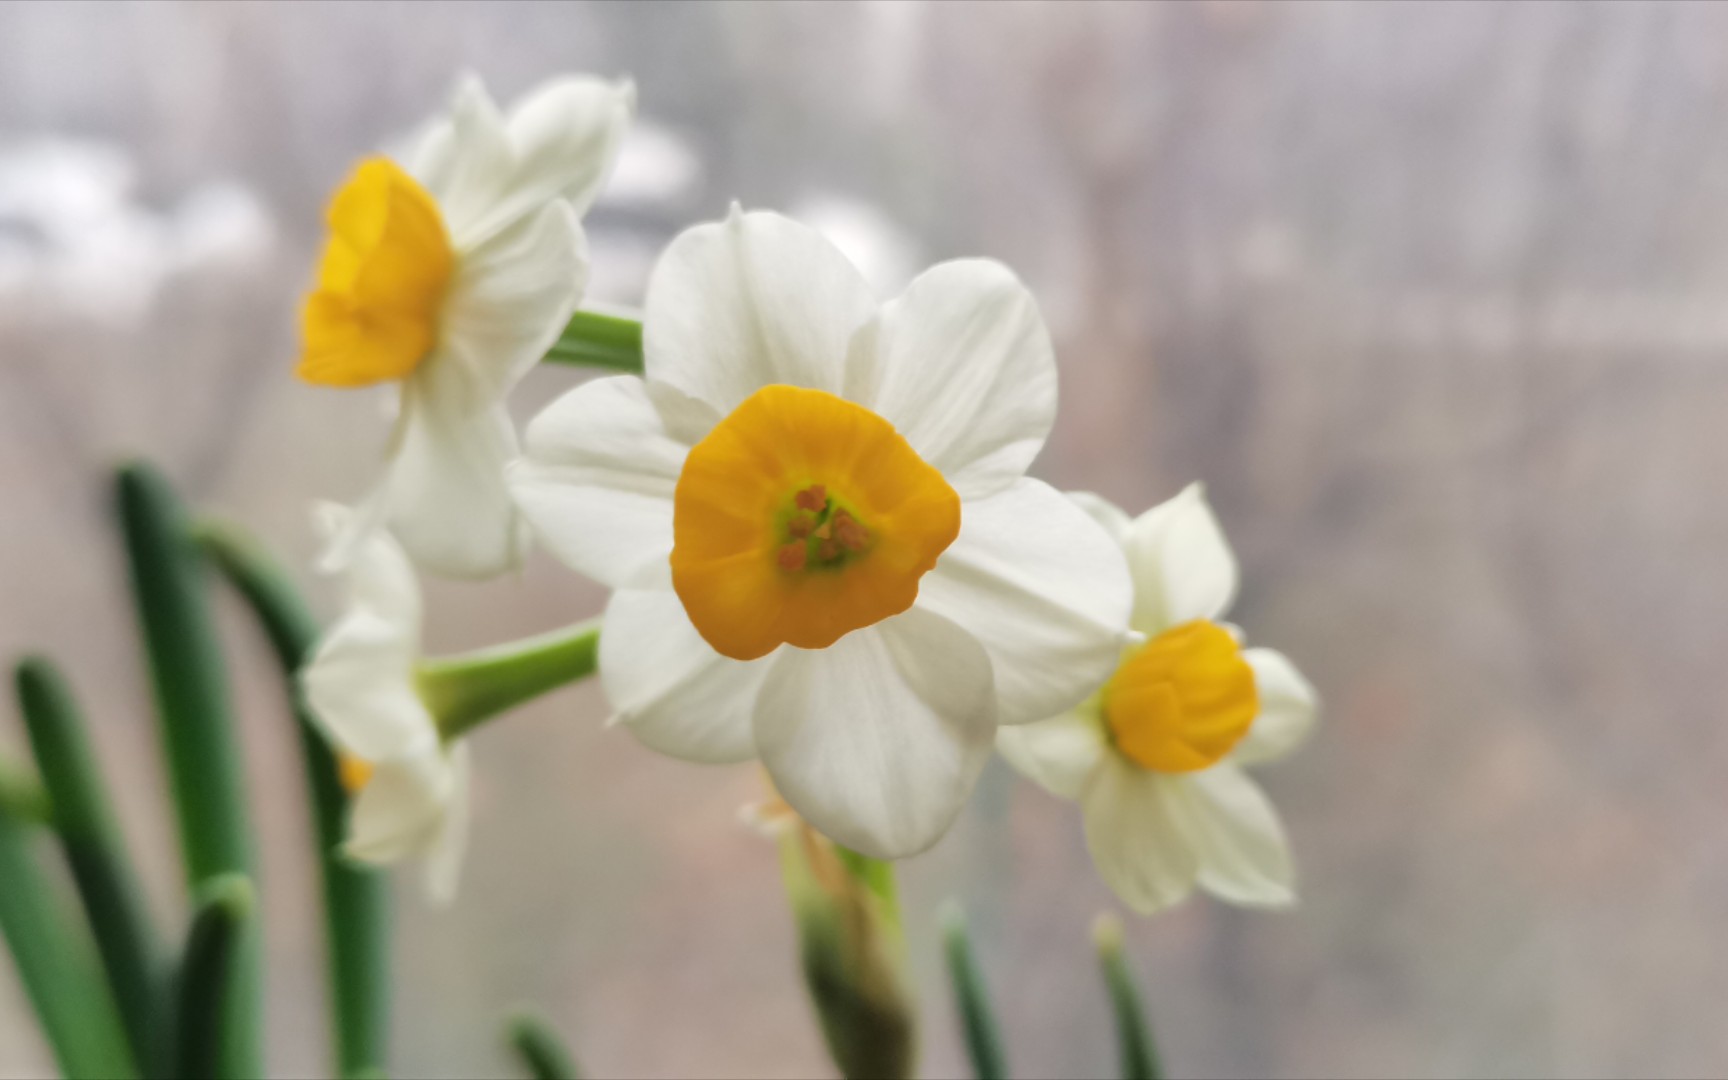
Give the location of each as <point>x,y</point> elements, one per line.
<point>22,796</point>
<point>191,690</point>
<point>221,928</point>
<point>983,1038</point>
<point>356,899</point>
<point>597,339</point>
<point>543,1053</point>
<point>56,965</point>
<point>96,852</point>
<point>1138,1052</point>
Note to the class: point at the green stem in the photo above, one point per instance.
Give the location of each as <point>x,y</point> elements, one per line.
<point>1139,1053</point>
<point>543,1053</point>
<point>356,899</point>
<point>465,691</point>
<point>197,731</point>
<point>599,339</point>
<point>96,852</point>
<point>22,796</point>
<point>983,1038</point>
<point>55,966</point>
<point>214,952</point>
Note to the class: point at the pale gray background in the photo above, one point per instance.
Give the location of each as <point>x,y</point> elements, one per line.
<point>1431,296</point>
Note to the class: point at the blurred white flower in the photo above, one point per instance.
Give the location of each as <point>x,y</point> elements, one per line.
<point>452,277</point>
<point>410,789</point>
<point>1155,757</point>
<point>815,513</point>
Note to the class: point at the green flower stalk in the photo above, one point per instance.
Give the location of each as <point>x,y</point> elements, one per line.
<point>540,1049</point>
<point>983,1038</point>
<point>1138,1052</point>
<point>852,951</point>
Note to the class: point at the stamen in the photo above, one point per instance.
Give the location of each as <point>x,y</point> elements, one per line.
<point>828,550</point>
<point>812,498</point>
<point>799,527</point>
<point>792,556</point>
<point>851,535</point>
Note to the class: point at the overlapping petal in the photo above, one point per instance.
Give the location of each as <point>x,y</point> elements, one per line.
<point>1183,567</point>
<point>596,481</point>
<point>669,687</point>
<point>1043,588</point>
<point>1060,754</point>
<point>878,739</point>
<point>964,369</point>
<point>1288,709</point>
<point>1134,830</point>
<point>360,684</point>
<point>400,813</point>
<point>1238,839</point>
<point>754,300</point>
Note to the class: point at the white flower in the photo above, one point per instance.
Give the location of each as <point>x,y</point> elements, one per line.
<point>410,789</point>
<point>452,277</point>
<point>815,513</point>
<point>1155,757</point>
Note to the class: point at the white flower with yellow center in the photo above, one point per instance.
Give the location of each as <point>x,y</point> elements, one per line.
<point>1155,757</point>
<point>410,789</point>
<point>452,277</point>
<point>814,511</point>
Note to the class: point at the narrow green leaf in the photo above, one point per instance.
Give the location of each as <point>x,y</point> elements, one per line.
<point>543,1053</point>
<point>1138,1052</point>
<point>56,965</point>
<point>96,852</point>
<point>356,899</point>
<point>465,691</point>
<point>983,1038</point>
<point>597,339</point>
<point>198,736</point>
<point>215,947</point>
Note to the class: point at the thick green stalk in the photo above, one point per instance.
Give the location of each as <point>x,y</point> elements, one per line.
<point>543,1053</point>
<point>983,1038</point>
<point>1139,1054</point>
<point>56,966</point>
<point>465,691</point>
<point>214,953</point>
<point>22,796</point>
<point>197,731</point>
<point>356,899</point>
<point>96,852</point>
<point>599,340</point>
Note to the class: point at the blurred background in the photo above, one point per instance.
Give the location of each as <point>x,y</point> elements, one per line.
<point>1430,295</point>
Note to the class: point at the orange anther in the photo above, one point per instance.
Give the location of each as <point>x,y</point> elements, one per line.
<point>799,527</point>
<point>792,557</point>
<point>828,551</point>
<point>812,498</point>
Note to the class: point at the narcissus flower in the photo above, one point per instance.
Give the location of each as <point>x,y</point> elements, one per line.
<point>815,515</point>
<point>410,789</point>
<point>450,277</point>
<point>1155,757</point>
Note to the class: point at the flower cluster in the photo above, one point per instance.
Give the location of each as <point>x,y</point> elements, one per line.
<point>811,507</point>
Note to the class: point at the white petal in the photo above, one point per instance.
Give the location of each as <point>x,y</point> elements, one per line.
<point>1060,754</point>
<point>510,299</point>
<point>379,576</point>
<point>444,488</point>
<point>756,299</point>
<point>558,144</point>
<point>464,160</point>
<point>596,480</point>
<point>1243,855</point>
<point>1183,567</point>
<point>1043,588</point>
<point>1288,707</point>
<point>400,812</point>
<point>360,685</point>
<point>1134,829</point>
<point>565,137</point>
<point>877,740</point>
<point>1106,513</point>
<point>669,687</point>
<point>965,371</point>
<point>450,844</point>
